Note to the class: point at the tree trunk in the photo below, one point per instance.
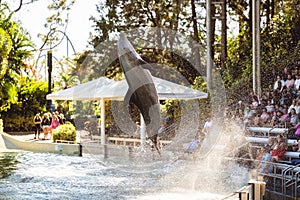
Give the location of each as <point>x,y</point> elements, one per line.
<point>224,35</point>
<point>196,48</point>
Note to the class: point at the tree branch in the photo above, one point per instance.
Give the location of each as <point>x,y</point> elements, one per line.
<point>20,5</point>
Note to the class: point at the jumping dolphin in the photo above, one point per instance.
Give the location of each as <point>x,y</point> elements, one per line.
<point>142,91</point>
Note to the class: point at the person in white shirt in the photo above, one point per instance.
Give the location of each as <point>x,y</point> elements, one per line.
<point>294,105</point>
<point>270,107</point>
<point>297,82</point>
<point>276,83</point>
<point>207,126</point>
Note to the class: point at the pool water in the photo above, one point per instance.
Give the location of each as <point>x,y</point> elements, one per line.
<point>28,175</point>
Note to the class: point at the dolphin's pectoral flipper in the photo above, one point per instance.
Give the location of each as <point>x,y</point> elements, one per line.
<point>127,98</point>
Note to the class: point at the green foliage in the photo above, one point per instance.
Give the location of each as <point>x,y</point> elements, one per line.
<point>31,95</point>
<point>5,46</point>
<point>14,49</point>
<point>65,132</point>
<point>279,47</point>
<point>200,84</point>
<point>29,99</point>
<point>115,16</point>
<point>17,123</point>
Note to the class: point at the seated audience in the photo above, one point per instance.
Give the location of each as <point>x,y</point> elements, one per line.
<point>295,106</point>
<point>297,132</point>
<point>265,166</point>
<point>270,107</point>
<point>278,149</point>
<point>297,82</point>
<point>279,83</point>
<point>275,119</point>
<point>293,117</point>
<point>285,118</point>
<point>264,118</point>
<point>289,82</point>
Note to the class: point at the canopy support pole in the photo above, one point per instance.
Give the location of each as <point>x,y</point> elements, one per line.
<point>102,104</point>
<point>143,132</point>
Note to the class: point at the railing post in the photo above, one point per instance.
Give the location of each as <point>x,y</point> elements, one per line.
<point>258,189</point>
<point>244,193</point>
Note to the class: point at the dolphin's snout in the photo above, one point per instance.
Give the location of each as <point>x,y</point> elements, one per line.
<point>124,46</point>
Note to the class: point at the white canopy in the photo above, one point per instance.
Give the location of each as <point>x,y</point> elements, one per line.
<point>104,88</point>
<point>84,91</point>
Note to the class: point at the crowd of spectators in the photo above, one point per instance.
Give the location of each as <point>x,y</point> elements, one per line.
<point>278,106</point>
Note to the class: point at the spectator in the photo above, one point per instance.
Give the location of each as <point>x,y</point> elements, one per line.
<point>277,97</point>
<point>256,119</point>
<point>55,122</point>
<point>259,154</point>
<point>297,96</point>
<point>289,82</point>
<point>255,102</point>
<point>294,105</point>
<point>297,82</point>
<point>297,132</point>
<point>278,150</point>
<point>46,124</point>
<point>37,124</point>
<point>248,117</point>
<point>285,73</point>
<point>62,119</point>
<point>264,118</point>
<point>271,142</point>
<point>288,97</point>
<point>285,118</point>
<point>265,166</point>
<point>270,107</point>
<point>193,145</point>
<point>275,119</point>
<point>240,105</point>
<point>283,95</point>
<point>279,108</point>
<point>279,83</point>
<point>294,73</point>
<point>207,126</point>
<point>250,97</point>
<point>293,117</point>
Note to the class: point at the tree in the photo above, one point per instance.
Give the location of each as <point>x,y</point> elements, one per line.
<point>15,47</point>
<point>279,44</point>
<point>129,15</point>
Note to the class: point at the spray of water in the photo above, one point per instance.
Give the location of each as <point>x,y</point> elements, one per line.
<point>209,169</point>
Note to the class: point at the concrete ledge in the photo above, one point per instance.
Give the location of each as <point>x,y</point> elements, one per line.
<point>12,142</point>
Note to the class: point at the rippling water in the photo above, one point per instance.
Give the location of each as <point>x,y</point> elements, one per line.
<point>27,175</point>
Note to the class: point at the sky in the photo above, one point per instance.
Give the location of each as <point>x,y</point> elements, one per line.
<point>33,17</point>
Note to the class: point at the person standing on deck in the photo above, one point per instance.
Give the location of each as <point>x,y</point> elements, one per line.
<point>46,124</point>
<point>37,123</point>
<point>54,123</point>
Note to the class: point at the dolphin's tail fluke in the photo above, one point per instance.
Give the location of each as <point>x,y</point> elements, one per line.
<point>154,140</point>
